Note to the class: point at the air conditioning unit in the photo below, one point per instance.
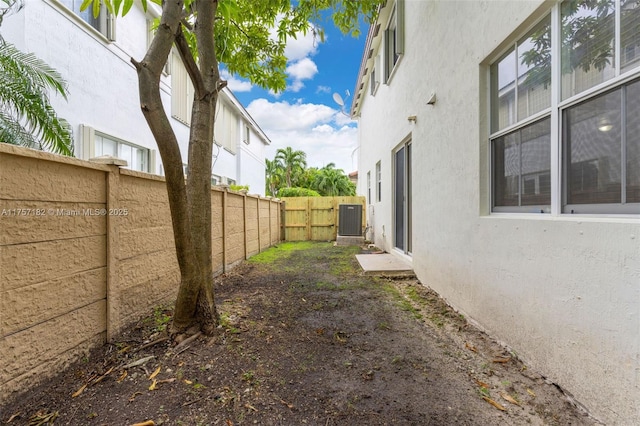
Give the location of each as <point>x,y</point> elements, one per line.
<point>350,220</point>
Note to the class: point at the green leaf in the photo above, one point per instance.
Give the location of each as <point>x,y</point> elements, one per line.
<point>116,6</point>
<point>85,4</point>
<point>127,6</point>
<point>96,8</point>
<point>109,7</point>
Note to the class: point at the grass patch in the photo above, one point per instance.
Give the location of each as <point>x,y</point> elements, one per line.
<point>404,304</point>
<point>283,251</point>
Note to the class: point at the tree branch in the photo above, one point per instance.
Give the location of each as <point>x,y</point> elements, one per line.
<point>189,63</point>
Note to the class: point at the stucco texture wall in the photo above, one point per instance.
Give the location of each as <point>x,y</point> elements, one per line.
<point>71,275</point>
<point>563,292</point>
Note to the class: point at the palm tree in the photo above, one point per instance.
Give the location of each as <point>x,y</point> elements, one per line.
<point>274,175</point>
<point>26,115</point>
<point>333,182</point>
<point>294,163</point>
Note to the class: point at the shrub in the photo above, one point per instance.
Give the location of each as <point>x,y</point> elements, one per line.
<point>297,192</point>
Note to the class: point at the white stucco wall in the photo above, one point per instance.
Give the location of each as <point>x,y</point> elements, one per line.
<point>103,85</point>
<point>562,291</point>
<point>251,164</point>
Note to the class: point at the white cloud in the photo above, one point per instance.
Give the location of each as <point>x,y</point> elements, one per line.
<point>234,83</point>
<point>304,69</point>
<point>323,89</point>
<point>311,128</point>
<point>302,46</point>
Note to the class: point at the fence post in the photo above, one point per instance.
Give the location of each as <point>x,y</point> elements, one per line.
<point>113,317</point>
<point>259,230</point>
<point>270,226</point>
<point>308,218</point>
<point>224,230</point>
<point>112,237</point>
<point>244,217</point>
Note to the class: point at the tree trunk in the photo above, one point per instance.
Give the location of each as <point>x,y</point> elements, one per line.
<point>190,204</point>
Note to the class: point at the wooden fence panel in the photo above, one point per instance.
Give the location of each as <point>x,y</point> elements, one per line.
<point>322,221</point>
<point>295,219</point>
<point>315,218</point>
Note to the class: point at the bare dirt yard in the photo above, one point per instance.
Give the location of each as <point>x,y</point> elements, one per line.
<point>305,339</point>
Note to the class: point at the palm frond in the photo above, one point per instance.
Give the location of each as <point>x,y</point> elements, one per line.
<point>12,132</point>
<point>25,82</point>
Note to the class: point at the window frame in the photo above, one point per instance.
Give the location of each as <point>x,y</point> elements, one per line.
<point>393,41</point>
<point>556,112</point>
<point>89,148</point>
<point>623,207</point>
<point>107,30</point>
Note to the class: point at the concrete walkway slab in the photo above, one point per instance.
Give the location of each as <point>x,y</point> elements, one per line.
<point>384,264</point>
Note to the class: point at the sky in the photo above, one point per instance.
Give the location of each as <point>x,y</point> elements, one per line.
<point>305,116</point>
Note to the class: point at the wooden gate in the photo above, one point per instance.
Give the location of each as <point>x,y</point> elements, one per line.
<point>315,218</point>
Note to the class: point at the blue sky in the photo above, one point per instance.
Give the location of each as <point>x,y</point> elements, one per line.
<point>305,115</point>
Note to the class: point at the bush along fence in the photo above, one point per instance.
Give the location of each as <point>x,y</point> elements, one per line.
<point>86,248</point>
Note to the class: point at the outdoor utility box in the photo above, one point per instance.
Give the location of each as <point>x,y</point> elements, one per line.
<point>350,219</point>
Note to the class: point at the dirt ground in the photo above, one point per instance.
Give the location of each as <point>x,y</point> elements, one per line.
<point>305,339</point>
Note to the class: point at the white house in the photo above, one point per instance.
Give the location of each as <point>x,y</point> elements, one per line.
<point>500,155</point>
<point>93,55</point>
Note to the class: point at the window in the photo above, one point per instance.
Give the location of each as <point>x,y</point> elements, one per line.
<point>104,23</point>
<point>96,144</point>
<point>521,167</point>
<point>369,187</point>
<point>394,39</point>
<point>181,91</point>
<point>587,45</point>
<point>601,147</point>
<point>378,182</point>
<point>375,75</point>
<point>216,180</point>
<point>594,122</point>
<point>514,100</point>
<point>226,127</point>
<point>247,134</point>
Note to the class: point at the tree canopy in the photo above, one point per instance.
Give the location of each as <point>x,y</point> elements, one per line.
<point>287,174</point>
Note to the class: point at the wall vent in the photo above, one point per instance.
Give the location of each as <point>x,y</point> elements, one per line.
<point>350,219</point>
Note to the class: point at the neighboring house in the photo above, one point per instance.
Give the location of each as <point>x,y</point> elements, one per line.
<point>93,55</point>
<point>502,158</point>
<point>353,177</point>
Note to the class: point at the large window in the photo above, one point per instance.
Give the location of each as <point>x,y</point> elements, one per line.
<point>97,144</point>
<point>601,146</point>
<point>521,168</point>
<point>103,23</point>
<point>226,123</point>
<point>593,123</point>
<point>394,39</point>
